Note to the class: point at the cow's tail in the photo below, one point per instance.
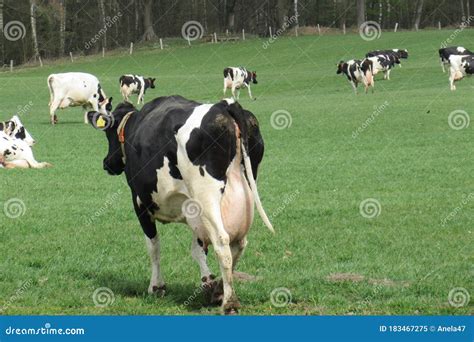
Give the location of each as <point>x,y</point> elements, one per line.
<point>228,72</point>
<point>238,115</point>
<point>51,91</point>
<point>253,187</point>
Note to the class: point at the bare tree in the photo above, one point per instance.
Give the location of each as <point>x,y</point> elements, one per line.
<point>463,14</point>
<point>102,19</point>
<point>62,26</point>
<point>380,12</point>
<point>468,9</point>
<point>149,33</point>
<point>360,12</point>
<point>419,11</point>
<point>33,27</point>
<point>230,14</point>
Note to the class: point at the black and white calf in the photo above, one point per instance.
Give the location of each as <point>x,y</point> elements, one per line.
<point>190,163</point>
<point>15,146</point>
<point>460,66</point>
<point>15,130</point>
<point>235,78</point>
<point>76,89</point>
<point>358,72</point>
<point>445,53</point>
<point>135,84</point>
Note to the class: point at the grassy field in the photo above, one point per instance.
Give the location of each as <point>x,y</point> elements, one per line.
<point>78,231</point>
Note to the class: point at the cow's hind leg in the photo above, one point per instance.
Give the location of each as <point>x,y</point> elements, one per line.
<point>157,284</point>
<point>237,248</point>
<point>53,107</point>
<point>208,195</point>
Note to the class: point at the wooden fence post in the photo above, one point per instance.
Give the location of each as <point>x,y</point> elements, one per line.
<point>131,47</point>
<point>396,27</point>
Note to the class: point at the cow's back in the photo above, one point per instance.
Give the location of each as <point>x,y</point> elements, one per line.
<point>73,84</point>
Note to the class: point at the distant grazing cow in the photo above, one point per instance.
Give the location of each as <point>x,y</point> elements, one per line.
<point>135,84</point>
<point>15,150</point>
<point>383,63</point>
<point>357,72</point>
<point>398,53</point>
<point>445,53</point>
<point>76,89</point>
<point>460,66</point>
<point>15,129</point>
<point>191,163</point>
<point>235,78</point>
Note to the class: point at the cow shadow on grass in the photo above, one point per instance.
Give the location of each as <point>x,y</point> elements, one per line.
<point>189,297</point>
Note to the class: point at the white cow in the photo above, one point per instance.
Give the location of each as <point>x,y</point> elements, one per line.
<point>235,78</point>
<point>17,153</point>
<point>76,89</point>
<point>15,129</point>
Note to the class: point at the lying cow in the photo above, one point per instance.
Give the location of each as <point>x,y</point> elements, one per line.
<point>383,63</point>
<point>445,53</point>
<point>191,163</point>
<point>76,89</point>
<point>235,78</point>
<point>15,129</point>
<point>357,72</point>
<point>460,66</point>
<point>134,84</point>
<point>17,153</point>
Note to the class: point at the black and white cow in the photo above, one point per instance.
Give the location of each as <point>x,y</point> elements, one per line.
<point>191,163</point>
<point>460,66</point>
<point>357,72</point>
<point>135,84</point>
<point>15,148</point>
<point>445,53</point>
<point>399,53</point>
<point>14,129</point>
<point>76,89</point>
<point>235,78</point>
<point>383,63</point>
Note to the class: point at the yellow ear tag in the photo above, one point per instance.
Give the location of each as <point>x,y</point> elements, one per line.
<point>100,122</point>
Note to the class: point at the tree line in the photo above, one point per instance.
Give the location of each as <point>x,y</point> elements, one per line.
<point>33,29</point>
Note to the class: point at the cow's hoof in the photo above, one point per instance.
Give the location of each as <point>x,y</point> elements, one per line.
<point>54,120</point>
<point>159,291</point>
<point>216,293</point>
<point>232,306</point>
